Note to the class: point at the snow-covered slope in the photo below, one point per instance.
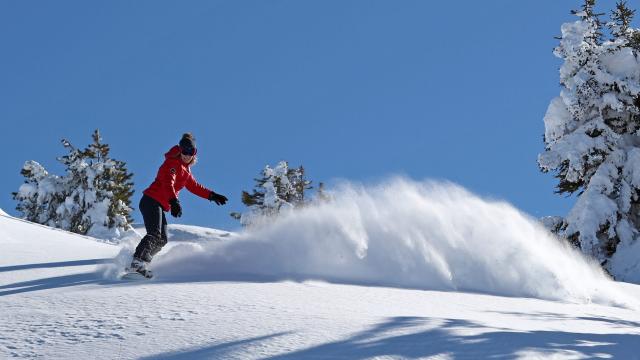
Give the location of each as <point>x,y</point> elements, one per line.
<point>29,250</point>
<point>231,297</point>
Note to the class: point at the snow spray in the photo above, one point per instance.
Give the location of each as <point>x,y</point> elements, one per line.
<point>402,233</point>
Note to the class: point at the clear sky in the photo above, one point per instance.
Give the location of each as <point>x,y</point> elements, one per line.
<point>356,90</point>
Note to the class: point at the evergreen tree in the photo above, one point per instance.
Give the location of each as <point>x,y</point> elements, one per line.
<point>620,26</point>
<point>113,182</point>
<point>92,198</point>
<point>588,15</point>
<point>298,186</point>
<point>591,133</point>
<point>621,17</point>
<point>78,199</point>
<point>277,189</point>
<point>40,195</point>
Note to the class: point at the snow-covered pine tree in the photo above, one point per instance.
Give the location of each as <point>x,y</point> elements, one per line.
<point>76,183</point>
<point>92,198</point>
<point>621,26</point>
<point>591,133</point>
<point>277,189</point>
<point>112,182</point>
<point>40,195</point>
<point>299,185</point>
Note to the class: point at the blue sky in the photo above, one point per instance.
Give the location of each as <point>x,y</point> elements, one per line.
<point>357,90</point>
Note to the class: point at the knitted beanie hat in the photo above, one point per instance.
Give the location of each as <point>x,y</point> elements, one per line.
<point>188,145</point>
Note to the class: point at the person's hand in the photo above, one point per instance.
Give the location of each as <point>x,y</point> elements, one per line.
<point>176,209</point>
<point>217,198</point>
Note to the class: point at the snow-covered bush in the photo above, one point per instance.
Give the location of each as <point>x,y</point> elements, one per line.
<point>40,195</point>
<point>591,131</point>
<point>93,197</point>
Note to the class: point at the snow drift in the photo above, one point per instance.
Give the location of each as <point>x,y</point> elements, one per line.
<point>424,235</point>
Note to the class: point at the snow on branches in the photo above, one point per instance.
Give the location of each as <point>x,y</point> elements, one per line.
<point>591,132</point>
<point>278,190</point>
<point>92,198</point>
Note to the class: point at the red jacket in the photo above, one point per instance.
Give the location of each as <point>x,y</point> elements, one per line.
<point>172,176</point>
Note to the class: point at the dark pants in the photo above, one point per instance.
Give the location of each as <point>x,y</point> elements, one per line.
<point>156,225</point>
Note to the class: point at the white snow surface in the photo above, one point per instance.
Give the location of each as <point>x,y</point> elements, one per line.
<point>376,273</point>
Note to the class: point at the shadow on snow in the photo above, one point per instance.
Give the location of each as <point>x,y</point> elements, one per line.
<point>55,264</point>
<point>211,352</point>
<point>442,339</point>
<point>56,281</point>
<point>51,283</point>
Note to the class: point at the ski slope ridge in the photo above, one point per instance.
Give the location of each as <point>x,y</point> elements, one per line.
<point>400,233</point>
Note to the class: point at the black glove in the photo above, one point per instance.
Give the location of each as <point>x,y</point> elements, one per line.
<point>176,209</point>
<point>217,198</point>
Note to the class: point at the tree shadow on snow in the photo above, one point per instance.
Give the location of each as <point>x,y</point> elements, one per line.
<point>218,351</point>
<point>445,339</point>
<point>399,337</point>
<point>55,264</point>
<point>563,317</point>
<point>52,282</point>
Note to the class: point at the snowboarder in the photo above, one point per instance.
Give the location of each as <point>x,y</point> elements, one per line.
<point>162,196</point>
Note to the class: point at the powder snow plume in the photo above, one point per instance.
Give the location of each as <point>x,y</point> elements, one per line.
<point>401,233</point>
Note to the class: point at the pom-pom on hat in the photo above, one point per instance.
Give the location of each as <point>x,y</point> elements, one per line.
<point>188,145</point>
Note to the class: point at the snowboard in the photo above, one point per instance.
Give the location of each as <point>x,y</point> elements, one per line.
<point>134,275</point>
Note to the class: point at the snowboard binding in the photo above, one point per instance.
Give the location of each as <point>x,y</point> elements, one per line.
<point>137,270</point>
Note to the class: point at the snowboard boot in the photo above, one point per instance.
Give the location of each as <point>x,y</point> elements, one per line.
<point>140,267</point>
